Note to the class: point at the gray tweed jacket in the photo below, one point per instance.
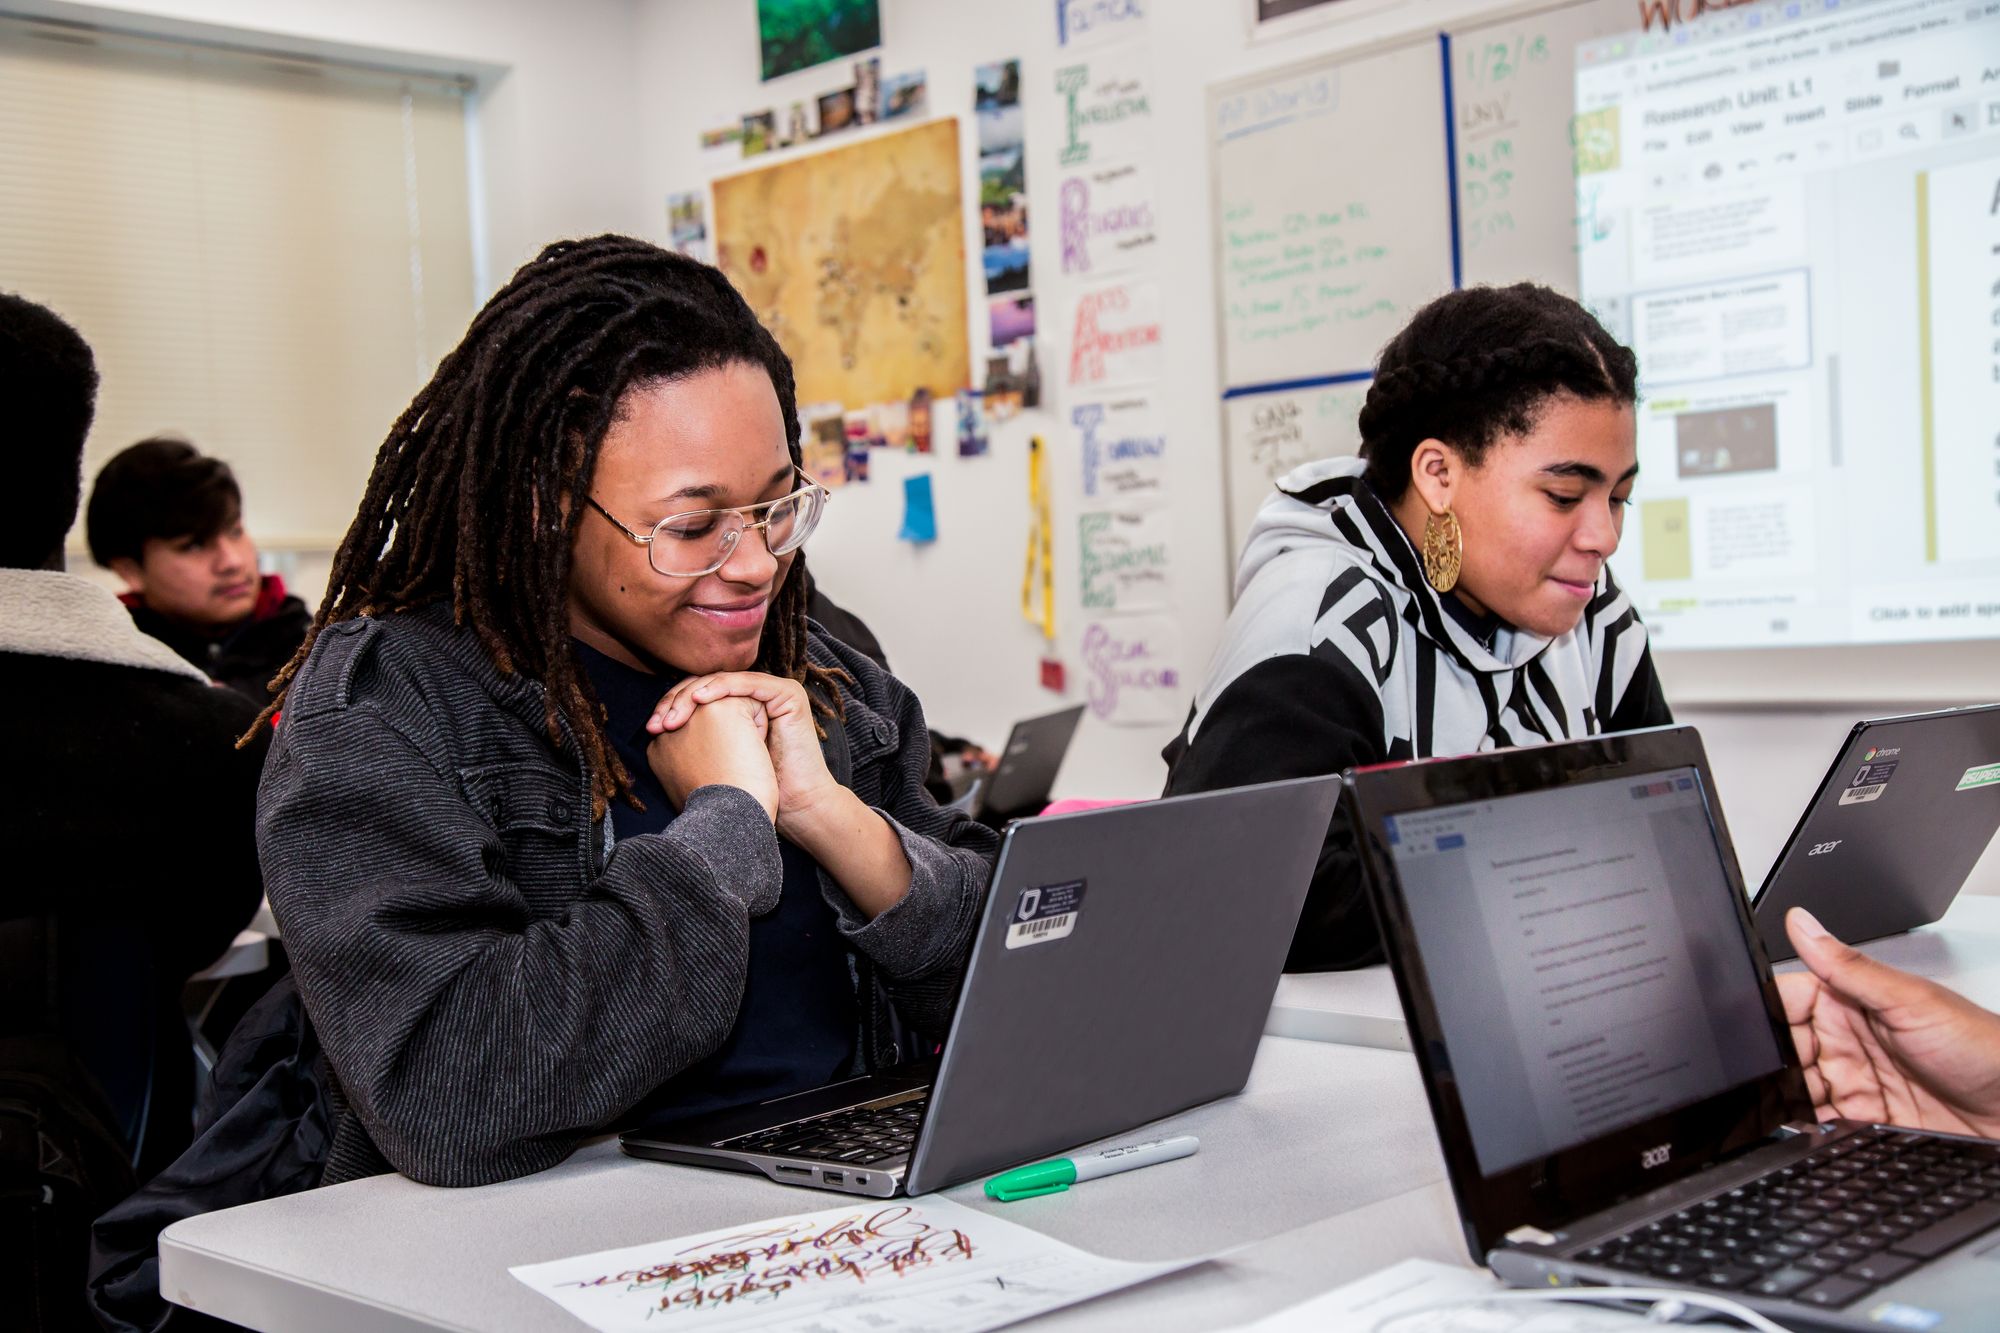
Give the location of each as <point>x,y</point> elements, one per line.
<point>492,978</point>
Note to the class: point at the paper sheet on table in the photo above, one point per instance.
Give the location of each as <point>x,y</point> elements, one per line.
<point>1399,1300</point>
<point>872,1267</point>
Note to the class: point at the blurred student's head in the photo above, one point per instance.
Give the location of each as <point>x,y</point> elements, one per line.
<point>1501,419</point>
<point>48,389</point>
<point>169,521</point>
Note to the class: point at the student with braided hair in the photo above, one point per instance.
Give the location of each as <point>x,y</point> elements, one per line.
<point>1443,593</point>
<point>571,816</point>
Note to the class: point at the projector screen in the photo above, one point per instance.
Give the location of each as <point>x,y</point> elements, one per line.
<point>1792,214</point>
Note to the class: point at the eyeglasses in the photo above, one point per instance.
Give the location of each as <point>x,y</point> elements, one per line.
<point>687,546</point>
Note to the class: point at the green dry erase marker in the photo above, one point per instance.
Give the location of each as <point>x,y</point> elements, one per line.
<point>1052,1177</point>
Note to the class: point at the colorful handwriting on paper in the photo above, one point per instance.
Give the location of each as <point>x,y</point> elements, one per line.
<point>1115,335</point>
<point>761,1265</point>
<point>1106,218</point>
<point>1106,107</point>
<point>1122,448</point>
<point>1131,672</point>
<point>1079,22</point>
<point>1125,558</point>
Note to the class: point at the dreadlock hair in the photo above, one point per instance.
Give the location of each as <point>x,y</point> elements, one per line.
<point>471,496</point>
<point>1477,364</point>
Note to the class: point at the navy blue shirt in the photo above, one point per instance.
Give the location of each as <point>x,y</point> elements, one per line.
<point>798,1023</point>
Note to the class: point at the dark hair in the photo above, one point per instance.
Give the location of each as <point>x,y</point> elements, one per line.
<point>1480,363</point>
<point>468,494</point>
<point>48,385</point>
<point>162,487</point>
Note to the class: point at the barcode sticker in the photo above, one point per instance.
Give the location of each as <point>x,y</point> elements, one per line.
<point>1856,795</point>
<point>1045,914</point>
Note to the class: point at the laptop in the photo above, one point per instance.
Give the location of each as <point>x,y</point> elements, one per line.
<point>1020,782</point>
<point>1906,811</point>
<point>1122,971</point>
<point>1607,1060</point>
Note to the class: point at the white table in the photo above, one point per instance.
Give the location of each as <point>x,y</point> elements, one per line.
<point>1360,1008</point>
<point>1321,1131</point>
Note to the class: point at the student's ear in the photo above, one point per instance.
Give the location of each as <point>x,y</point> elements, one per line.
<point>1435,468</point>
<point>134,574</point>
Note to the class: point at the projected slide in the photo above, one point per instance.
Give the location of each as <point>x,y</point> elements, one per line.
<point>1795,223</point>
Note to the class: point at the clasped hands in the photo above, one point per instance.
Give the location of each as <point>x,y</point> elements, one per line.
<point>756,732</point>
<point>744,729</point>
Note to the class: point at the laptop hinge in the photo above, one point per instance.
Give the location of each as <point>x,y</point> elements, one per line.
<point>1793,1128</point>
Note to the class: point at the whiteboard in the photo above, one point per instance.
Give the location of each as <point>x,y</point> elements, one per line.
<point>1269,434</point>
<point>1333,214</point>
<point>1513,84</point>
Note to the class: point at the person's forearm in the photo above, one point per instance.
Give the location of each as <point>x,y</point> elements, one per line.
<point>853,844</point>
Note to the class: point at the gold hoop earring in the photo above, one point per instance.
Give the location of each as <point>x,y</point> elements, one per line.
<point>1444,550</point>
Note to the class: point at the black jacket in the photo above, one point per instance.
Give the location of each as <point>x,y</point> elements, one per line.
<point>494,980</point>
<point>129,818</point>
<point>244,656</point>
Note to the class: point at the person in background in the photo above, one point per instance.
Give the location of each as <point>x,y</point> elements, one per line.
<point>169,521</point>
<point>619,834</point>
<point>1443,593</point>
<point>128,840</point>
<point>968,757</point>
<point>1879,1044</point>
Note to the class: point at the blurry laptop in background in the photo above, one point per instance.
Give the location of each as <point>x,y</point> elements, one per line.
<point>1020,782</point>
<point>1908,808</point>
<point>1615,1088</point>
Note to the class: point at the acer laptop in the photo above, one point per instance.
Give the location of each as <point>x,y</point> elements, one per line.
<point>1020,782</point>
<point>1896,826</point>
<point>1122,971</point>
<point>1606,1054</point>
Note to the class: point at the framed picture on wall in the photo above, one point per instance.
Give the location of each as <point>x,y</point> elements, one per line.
<point>1279,18</point>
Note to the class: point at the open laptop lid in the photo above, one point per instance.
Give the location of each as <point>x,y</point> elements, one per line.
<point>1897,824</point>
<point>1123,971</point>
<point>1020,783</point>
<point>1573,947</point>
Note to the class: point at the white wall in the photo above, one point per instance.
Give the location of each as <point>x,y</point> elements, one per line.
<point>948,615</point>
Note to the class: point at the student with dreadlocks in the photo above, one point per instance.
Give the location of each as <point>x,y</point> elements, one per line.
<point>572,818</point>
<point>1445,592</point>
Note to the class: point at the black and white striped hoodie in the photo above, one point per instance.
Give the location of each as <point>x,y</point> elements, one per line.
<point>1339,653</point>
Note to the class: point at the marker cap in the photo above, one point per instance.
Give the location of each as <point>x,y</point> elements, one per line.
<point>1028,1181</point>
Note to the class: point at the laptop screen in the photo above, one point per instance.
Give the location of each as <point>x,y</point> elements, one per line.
<point>1587,965</point>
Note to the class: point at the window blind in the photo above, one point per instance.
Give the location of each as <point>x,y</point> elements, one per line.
<point>268,255</point>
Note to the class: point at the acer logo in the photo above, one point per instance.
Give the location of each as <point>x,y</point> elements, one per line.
<point>1822,848</point>
<point>1653,1157</point>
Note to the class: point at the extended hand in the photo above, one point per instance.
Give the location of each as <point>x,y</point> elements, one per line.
<point>723,742</point>
<point>791,737</point>
<point>1879,1044</point>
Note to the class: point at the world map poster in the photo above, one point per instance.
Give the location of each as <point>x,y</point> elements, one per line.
<point>855,260</point>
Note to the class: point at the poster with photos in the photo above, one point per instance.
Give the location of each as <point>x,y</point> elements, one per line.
<point>1003,177</point>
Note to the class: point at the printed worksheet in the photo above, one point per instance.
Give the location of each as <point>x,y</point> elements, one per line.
<point>872,1267</point>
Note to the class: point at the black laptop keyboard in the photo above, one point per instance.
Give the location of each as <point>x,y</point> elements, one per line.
<point>863,1135</point>
<point>1828,1230</point>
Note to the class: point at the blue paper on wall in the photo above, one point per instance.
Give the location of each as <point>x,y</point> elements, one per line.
<point>919,513</point>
